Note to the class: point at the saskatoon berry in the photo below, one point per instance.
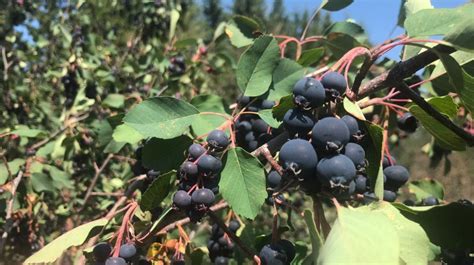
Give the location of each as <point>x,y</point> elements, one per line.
<point>259,126</point>
<point>298,122</point>
<point>407,122</point>
<point>386,161</point>
<point>220,260</point>
<point>195,151</point>
<point>273,179</point>
<point>203,196</point>
<point>288,248</point>
<point>244,126</point>
<point>252,145</point>
<point>217,139</point>
<point>352,125</point>
<point>217,231</point>
<point>389,196</point>
<point>361,184</point>
<point>337,169</point>
<point>127,251</point>
<point>243,100</point>
<point>102,251</point>
<point>267,104</point>
<point>409,202</point>
<point>234,226</point>
<point>250,136</point>
<point>298,156</point>
<point>182,199</point>
<point>208,164</point>
<point>309,93</point>
<point>330,134</point>
<point>429,201</point>
<point>272,255</point>
<point>396,177</point>
<point>188,169</point>
<point>115,261</point>
<point>356,153</point>
<point>335,82</point>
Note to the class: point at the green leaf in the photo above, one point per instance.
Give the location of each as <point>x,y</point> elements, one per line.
<point>75,237</point>
<point>203,124</point>
<point>165,154</point>
<point>24,131</point>
<point>256,65</point>
<point>267,116</point>
<point>161,117</point>
<point>409,7</point>
<point>114,100</point>
<point>372,143</point>
<point>340,43</point>
<point>414,243</point>
<point>455,24</point>
<point>349,28</point>
<point>453,70</point>
<point>242,183</point>
<point>285,76</point>
<point>316,239</point>
<point>282,107</point>
<point>447,226</point>
<point>174,17</point>
<point>361,236</point>
<point>42,182</point>
<point>445,137</point>
<point>301,252</point>
<point>353,109</point>
<point>13,165</point>
<point>425,188</point>
<point>440,79</point>
<point>466,93</point>
<point>335,5</point>
<point>240,31</point>
<point>60,178</point>
<point>66,33</point>
<point>311,56</point>
<point>126,134</point>
<point>158,191</point>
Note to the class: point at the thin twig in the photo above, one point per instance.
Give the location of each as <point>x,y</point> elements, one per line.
<point>94,180</point>
<point>403,70</point>
<point>186,220</point>
<point>69,124</point>
<point>306,28</point>
<point>9,210</point>
<point>6,64</point>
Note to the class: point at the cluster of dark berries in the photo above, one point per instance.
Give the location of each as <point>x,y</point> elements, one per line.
<point>71,88</point>
<point>128,254</point>
<point>251,131</point>
<point>220,246</point>
<point>332,139</point>
<point>326,154</point>
<point>394,176</point>
<point>199,176</point>
<point>279,253</point>
<point>427,201</point>
<point>177,65</point>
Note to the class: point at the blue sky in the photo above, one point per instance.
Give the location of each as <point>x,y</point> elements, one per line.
<point>378,17</point>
